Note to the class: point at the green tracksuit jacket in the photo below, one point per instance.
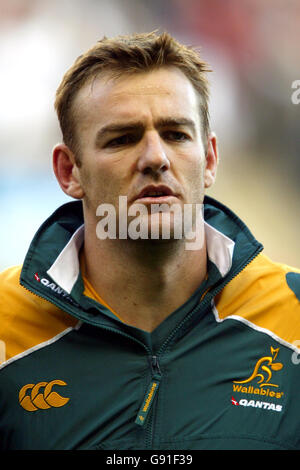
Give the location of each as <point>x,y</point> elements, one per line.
<point>221,372</point>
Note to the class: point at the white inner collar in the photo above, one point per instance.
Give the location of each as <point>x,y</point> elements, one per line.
<point>65,269</point>
<point>219,248</point>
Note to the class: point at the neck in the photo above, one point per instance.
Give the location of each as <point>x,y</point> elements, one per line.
<point>143,281</point>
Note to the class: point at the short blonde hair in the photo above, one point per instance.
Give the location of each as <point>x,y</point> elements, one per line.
<point>129,54</point>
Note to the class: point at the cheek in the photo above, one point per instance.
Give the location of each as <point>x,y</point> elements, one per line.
<point>101,185</point>
<point>191,168</point>
<point>193,179</point>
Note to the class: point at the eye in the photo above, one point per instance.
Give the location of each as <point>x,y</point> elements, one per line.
<point>125,139</point>
<point>176,136</point>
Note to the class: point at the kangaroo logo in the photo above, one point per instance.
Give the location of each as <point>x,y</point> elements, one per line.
<point>41,400</point>
<point>263,370</point>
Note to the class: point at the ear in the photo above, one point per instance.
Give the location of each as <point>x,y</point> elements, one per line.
<point>67,171</point>
<point>212,158</point>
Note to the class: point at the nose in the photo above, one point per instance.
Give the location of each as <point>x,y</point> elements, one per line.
<point>153,157</point>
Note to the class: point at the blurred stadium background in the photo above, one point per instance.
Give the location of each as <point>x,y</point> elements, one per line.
<point>253,48</point>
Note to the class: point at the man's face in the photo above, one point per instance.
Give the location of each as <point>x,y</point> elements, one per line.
<point>138,134</point>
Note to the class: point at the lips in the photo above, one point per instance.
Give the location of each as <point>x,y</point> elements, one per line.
<point>152,191</point>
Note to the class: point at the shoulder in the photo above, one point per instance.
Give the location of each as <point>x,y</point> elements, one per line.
<point>10,275</point>
<point>265,295</point>
<point>26,319</point>
<point>11,291</point>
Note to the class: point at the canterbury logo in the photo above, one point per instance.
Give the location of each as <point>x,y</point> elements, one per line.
<point>41,396</point>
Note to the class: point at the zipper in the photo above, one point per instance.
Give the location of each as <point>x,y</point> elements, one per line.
<point>151,391</point>
<point>155,368</point>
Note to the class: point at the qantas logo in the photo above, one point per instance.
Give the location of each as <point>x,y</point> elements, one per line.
<point>50,285</point>
<point>264,405</point>
<point>40,396</point>
<point>54,287</point>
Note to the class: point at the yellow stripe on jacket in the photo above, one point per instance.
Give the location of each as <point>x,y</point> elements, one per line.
<point>260,294</point>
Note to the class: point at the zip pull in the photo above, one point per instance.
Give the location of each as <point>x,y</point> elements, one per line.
<point>151,391</point>
<point>154,364</point>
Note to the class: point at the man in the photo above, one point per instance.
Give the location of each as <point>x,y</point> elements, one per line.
<point>120,341</point>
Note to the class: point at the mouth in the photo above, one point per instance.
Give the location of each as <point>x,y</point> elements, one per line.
<point>155,194</point>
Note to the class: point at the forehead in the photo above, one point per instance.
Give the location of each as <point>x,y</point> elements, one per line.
<point>163,91</point>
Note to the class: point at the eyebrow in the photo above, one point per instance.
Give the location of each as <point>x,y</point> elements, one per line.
<point>140,126</point>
